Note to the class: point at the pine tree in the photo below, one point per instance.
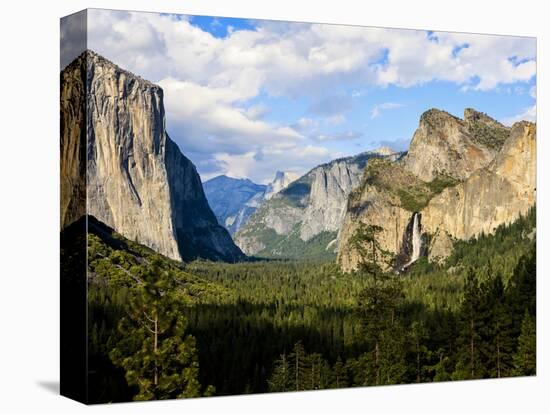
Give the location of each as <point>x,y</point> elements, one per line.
<point>521,294</point>
<point>378,304</point>
<point>525,359</point>
<point>317,372</point>
<point>440,368</point>
<point>281,379</point>
<point>419,335</point>
<point>340,377</point>
<point>497,333</point>
<point>155,352</point>
<point>392,362</point>
<point>299,366</point>
<point>469,361</point>
<point>372,257</point>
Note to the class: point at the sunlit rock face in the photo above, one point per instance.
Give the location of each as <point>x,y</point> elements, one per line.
<point>494,195</point>
<point>281,181</point>
<point>446,145</point>
<point>493,174</point>
<point>137,181</point>
<point>313,204</point>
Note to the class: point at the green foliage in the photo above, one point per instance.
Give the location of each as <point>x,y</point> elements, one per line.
<point>125,263</point>
<point>471,321</point>
<point>292,247</point>
<point>441,182</point>
<point>372,258</point>
<point>258,324</point>
<point>302,371</point>
<point>157,355</point>
<point>526,355</point>
<point>414,198</point>
<point>440,286</point>
<point>488,135</point>
<point>120,273</point>
<point>281,378</point>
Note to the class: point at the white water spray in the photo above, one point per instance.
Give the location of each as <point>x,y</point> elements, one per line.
<point>416,241</point>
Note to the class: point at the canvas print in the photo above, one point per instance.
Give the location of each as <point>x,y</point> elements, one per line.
<point>253,206</point>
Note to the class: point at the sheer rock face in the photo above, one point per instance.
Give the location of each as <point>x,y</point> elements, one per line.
<point>376,202</point>
<point>496,169</point>
<point>495,195</point>
<point>313,204</point>
<point>137,180</point>
<point>281,181</point>
<point>446,145</point>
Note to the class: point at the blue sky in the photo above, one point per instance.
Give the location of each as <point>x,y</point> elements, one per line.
<point>249,97</point>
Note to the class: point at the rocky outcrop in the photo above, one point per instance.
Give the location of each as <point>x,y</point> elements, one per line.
<point>281,181</point>
<point>464,177</point>
<point>495,195</point>
<point>312,205</point>
<point>377,202</point>
<point>137,180</point>
<point>233,200</point>
<point>444,145</point>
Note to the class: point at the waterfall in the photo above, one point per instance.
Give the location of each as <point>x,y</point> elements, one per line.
<point>416,241</point>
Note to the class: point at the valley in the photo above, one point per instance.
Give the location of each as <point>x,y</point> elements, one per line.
<point>382,267</point>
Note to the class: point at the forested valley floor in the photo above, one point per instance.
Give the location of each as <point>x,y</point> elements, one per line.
<point>162,329</point>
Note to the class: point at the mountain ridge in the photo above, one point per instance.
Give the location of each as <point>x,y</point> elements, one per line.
<point>447,187</point>
<point>233,200</point>
<point>310,206</point>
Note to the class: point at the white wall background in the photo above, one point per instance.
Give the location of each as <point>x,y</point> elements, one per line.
<point>29,297</point>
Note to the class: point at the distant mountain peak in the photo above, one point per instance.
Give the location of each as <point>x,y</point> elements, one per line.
<point>233,200</point>
<point>281,181</point>
<point>383,151</point>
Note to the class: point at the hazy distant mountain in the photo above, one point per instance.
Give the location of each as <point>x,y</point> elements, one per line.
<point>233,200</point>
<point>281,181</point>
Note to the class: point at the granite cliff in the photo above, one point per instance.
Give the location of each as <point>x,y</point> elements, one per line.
<point>281,181</point>
<point>446,145</point>
<point>462,178</point>
<point>308,213</point>
<point>494,195</point>
<point>114,146</point>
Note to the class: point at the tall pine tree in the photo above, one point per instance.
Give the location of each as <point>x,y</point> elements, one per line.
<point>525,358</point>
<point>159,358</point>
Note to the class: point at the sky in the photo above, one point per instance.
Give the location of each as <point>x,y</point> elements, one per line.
<point>247,98</point>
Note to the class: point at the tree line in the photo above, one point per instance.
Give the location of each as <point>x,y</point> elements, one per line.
<point>159,329</point>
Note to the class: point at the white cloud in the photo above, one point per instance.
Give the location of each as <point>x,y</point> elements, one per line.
<point>306,124</point>
<point>263,163</point>
<point>299,58</point>
<point>208,120</point>
<point>376,110</point>
<point>335,119</point>
<point>257,111</point>
<point>210,82</point>
<point>528,114</point>
<point>340,136</point>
